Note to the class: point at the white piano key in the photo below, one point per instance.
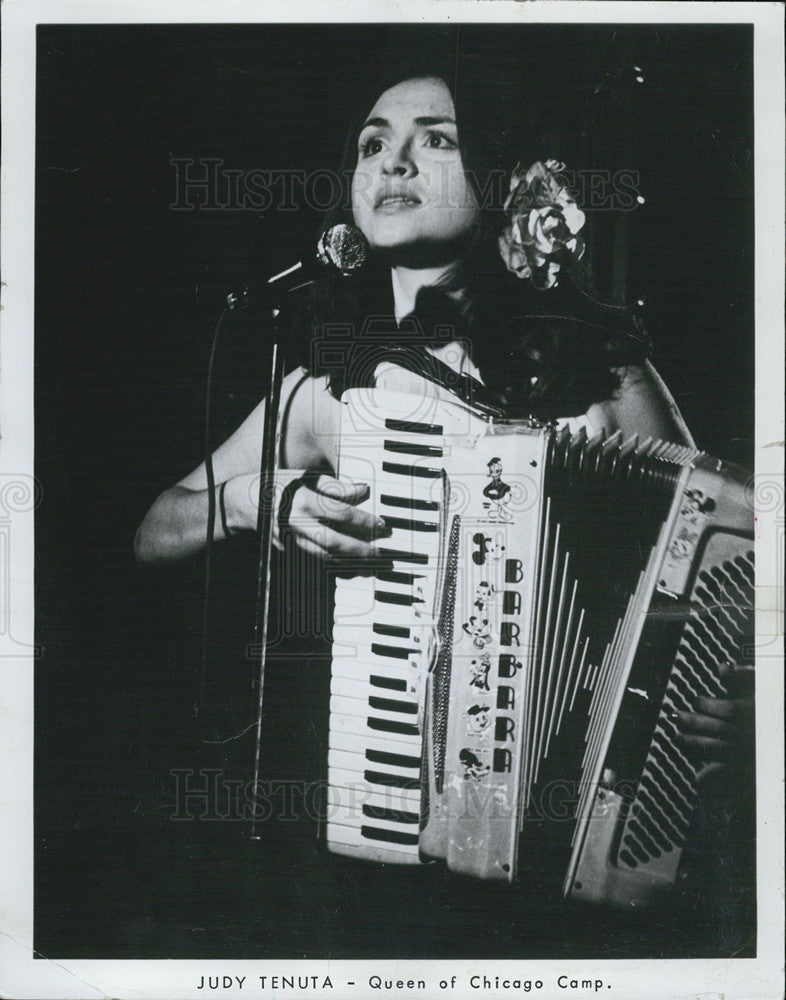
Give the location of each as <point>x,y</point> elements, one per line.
<point>367,754</point>
<point>394,624</point>
<point>406,715</point>
<point>359,673</point>
<point>361,688</point>
<point>398,764</point>
<point>349,841</point>
<point>360,653</point>
<point>376,781</point>
<point>358,662</point>
<point>380,649</point>
<point>353,796</point>
<point>398,476</point>
<point>390,610</point>
<point>405,824</point>
<point>393,603</point>
<point>352,790</point>
<point>356,643</point>
<point>349,623</point>
<point>373,744</point>
<point>358,726</point>
<point>410,478</point>
<point>354,771</point>
<point>356,590</point>
<point>370,470</point>
<point>395,607</point>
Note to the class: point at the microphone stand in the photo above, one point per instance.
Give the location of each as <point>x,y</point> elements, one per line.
<point>266,508</point>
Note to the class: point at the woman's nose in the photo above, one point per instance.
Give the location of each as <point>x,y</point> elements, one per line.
<point>398,160</point>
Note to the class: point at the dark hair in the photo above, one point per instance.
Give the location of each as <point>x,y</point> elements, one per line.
<point>543,353</point>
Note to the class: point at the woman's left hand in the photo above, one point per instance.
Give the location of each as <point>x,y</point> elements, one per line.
<point>720,731</point>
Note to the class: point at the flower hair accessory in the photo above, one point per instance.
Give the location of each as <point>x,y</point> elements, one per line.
<point>543,232</point>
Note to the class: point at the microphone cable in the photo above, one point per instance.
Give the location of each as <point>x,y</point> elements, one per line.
<point>211,512</point>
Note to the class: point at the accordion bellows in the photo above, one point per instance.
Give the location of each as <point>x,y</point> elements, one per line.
<point>549,601</point>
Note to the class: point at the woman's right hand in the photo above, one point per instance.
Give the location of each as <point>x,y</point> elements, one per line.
<point>323,520</point>
<point>322,516</point>
<point>315,511</point>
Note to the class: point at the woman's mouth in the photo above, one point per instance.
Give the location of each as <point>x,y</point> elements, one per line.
<point>394,202</point>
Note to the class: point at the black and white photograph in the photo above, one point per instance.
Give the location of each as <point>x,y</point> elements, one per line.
<point>392,515</point>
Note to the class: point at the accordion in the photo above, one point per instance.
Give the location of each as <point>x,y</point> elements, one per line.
<point>549,601</point>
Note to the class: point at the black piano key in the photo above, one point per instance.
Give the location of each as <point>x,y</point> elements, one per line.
<point>391,780</point>
<point>413,471</point>
<point>391,683</point>
<point>405,448</point>
<point>394,631</point>
<point>398,555</point>
<point>392,815</point>
<point>394,652</point>
<point>408,525</point>
<point>393,759</point>
<point>392,705</point>
<point>388,597</point>
<point>410,427</point>
<point>405,579</point>
<point>389,726</point>
<point>409,503</point>
<point>391,836</point>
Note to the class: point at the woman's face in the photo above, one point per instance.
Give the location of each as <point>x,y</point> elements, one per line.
<point>409,190</point>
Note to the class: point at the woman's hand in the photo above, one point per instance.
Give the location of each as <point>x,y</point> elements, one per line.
<point>720,731</point>
<point>319,513</point>
<point>322,518</point>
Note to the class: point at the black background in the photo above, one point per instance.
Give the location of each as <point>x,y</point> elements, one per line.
<point>127,292</point>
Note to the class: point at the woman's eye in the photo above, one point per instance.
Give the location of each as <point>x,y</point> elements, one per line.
<point>371,146</point>
<point>438,140</point>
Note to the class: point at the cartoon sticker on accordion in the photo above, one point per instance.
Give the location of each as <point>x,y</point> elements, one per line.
<point>498,493</point>
<point>479,668</point>
<point>692,519</point>
<point>474,768</point>
<point>695,503</point>
<point>487,547</point>
<point>478,720</point>
<point>484,592</point>
<point>479,629</point>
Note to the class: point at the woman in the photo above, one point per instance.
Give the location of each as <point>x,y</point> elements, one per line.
<point>414,202</point>
<point>422,205</point>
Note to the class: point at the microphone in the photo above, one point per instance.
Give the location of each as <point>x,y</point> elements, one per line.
<point>340,248</point>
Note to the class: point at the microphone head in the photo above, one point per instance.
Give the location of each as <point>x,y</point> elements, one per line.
<point>342,246</point>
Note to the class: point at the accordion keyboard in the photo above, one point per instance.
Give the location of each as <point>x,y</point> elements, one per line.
<point>375,742</point>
